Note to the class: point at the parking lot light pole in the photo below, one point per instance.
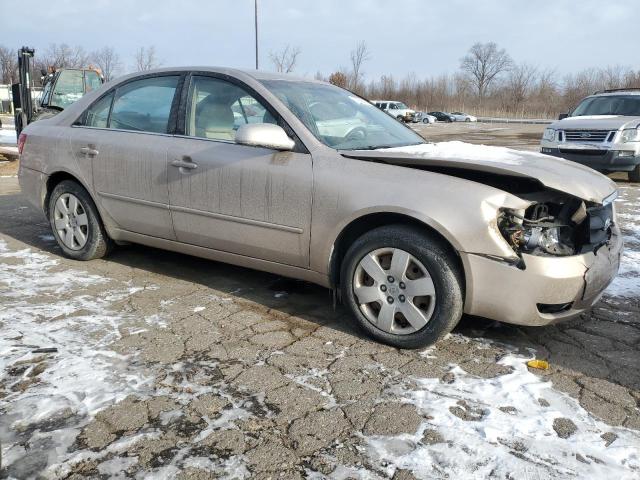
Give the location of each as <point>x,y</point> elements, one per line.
<point>255,3</point>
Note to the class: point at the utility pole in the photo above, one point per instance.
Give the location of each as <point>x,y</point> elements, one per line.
<point>255,3</point>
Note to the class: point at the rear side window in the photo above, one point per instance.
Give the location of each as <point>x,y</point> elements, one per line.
<point>98,113</point>
<point>144,105</point>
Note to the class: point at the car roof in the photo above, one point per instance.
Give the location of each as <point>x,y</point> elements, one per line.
<point>255,74</point>
<point>620,91</point>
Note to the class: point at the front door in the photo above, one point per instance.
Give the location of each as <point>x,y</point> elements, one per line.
<point>127,142</point>
<point>239,199</point>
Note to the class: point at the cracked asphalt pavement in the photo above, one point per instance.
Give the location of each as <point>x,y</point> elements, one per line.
<point>169,366</point>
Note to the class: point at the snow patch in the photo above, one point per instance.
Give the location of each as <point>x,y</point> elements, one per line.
<point>45,306</point>
<point>627,283</point>
<point>456,150</point>
<point>7,136</point>
<point>518,442</point>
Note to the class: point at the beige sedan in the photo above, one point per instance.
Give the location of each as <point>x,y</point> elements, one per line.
<point>240,167</point>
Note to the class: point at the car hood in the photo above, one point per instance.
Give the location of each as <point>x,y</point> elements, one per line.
<point>596,122</point>
<point>555,173</point>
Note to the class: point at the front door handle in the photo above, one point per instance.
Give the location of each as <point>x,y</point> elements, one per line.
<point>184,163</point>
<point>90,151</point>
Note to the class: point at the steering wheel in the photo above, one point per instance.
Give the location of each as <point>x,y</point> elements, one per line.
<point>357,133</point>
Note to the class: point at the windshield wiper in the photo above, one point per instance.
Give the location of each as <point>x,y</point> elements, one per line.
<point>377,147</point>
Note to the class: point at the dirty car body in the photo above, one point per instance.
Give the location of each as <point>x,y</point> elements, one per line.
<point>525,238</point>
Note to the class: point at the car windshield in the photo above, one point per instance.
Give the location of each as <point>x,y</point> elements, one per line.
<point>626,105</point>
<point>69,88</point>
<point>400,105</point>
<point>339,118</point>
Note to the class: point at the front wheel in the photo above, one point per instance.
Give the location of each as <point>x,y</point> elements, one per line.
<point>467,119</point>
<point>403,286</point>
<point>425,120</point>
<point>634,175</point>
<point>76,223</point>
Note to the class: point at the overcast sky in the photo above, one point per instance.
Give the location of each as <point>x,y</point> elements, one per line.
<point>427,37</point>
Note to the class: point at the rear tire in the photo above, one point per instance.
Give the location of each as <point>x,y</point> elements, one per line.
<point>634,175</point>
<point>76,223</point>
<point>428,257</point>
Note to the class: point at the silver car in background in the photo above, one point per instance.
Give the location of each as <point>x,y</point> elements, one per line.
<point>602,132</point>
<point>424,117</point>
<point>307,180</point>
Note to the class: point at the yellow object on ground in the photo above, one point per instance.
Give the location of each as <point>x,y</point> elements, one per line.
<point>539,364</point>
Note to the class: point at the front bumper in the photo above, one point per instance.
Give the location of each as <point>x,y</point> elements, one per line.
<point>602,160</point>
<point>566,286</point>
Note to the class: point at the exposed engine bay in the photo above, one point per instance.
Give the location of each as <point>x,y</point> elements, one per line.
<point>556,225</point>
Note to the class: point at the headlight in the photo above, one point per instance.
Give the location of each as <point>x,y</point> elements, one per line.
<point>539,231</point>
<point>549,134</point>
<point>630,135</point>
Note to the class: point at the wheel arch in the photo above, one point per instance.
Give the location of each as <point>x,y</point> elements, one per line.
<point>54,179</point>
<point>367,222</point>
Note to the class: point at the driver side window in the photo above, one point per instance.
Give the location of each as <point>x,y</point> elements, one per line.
<point>217,108</point>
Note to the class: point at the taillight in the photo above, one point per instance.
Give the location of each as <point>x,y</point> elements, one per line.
<point>22,139</point>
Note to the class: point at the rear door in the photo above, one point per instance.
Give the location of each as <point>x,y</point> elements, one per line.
<point>125,137</point>
<point>245,200</point>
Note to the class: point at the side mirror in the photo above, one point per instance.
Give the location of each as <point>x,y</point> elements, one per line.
<point>562,116</point>
<point>264,135</point>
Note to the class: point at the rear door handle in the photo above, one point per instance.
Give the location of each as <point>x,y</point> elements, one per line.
<point>90,151</point>
<point>184,163</point>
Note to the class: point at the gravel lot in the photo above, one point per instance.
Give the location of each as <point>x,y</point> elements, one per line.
<point>169,366</point>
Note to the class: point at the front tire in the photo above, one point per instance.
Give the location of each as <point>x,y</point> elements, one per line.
<point>76,224</point>
<point>403,286</point>
<point>634,175</point>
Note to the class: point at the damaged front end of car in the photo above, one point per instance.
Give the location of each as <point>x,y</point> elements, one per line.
<point>557,225</point>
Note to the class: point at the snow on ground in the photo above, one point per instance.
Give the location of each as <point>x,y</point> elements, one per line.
<point>627,283</point>
<point>508,431</point>
<point>45,306</point>
<point>7,136</point>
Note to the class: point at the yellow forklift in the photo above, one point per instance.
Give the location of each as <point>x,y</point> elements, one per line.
<point>60,88</point>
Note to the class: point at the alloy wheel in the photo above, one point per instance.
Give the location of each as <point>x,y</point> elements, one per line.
<point>71,222</point>
<point>394,291</point>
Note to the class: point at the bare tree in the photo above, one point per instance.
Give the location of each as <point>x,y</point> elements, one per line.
<point>146,59</point>
<point>520,80</point>
<point>358,57</point>
<point>63,56</point>
<point>483,63</point>
<point>8,65</point>
<point>285,60</point>
<point>108,61</point>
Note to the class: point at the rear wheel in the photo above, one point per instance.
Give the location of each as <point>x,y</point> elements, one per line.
<point>634,175</point>
<point>76,223</point>
<point>403,286</point>
<point>467,119</point>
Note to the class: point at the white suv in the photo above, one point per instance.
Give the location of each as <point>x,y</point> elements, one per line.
<point>603,132</point>
<point>397,110</point>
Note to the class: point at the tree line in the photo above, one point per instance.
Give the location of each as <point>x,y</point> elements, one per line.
<point>56,56</point>
<point>489,82</point>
